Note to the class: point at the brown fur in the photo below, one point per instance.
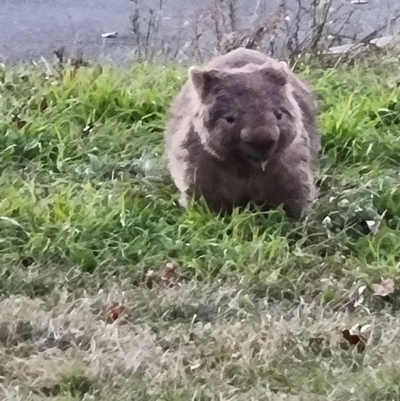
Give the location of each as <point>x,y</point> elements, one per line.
<point>238,114</point>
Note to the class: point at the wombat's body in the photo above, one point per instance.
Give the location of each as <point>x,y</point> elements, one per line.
<point>243,129</point>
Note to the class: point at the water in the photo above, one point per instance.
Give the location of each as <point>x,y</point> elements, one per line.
<point>33,28</point>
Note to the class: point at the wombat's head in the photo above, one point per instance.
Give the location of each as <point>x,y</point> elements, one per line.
<point>246,112</point>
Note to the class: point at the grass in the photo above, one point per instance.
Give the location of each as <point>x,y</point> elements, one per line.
<point>87,207</point>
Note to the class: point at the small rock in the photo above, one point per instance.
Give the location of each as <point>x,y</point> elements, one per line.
<point>343,49</point>
<point>109,35</point>
<point>383,40</point>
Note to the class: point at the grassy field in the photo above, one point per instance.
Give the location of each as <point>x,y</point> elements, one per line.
<point>260,304</point>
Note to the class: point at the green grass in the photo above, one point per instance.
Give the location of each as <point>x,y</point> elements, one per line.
<point>87,206</point>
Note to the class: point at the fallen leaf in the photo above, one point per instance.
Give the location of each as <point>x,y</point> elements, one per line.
<point>385,288</point>
<point>166,277</point>
<point>169,275</point>
<point>354,337</point>
<point>115,312</point>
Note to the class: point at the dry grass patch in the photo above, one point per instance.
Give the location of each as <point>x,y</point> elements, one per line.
<point>204,340</point>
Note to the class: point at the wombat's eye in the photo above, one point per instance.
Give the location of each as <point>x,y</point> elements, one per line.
<point>229,119</point>
<point>281,112</point>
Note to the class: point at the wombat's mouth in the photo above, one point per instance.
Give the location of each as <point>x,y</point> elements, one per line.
<point>257,162</point>
<point>257,159</point>
<point>258,153</point>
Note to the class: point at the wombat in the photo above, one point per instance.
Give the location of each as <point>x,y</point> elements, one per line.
<point>243,131</point>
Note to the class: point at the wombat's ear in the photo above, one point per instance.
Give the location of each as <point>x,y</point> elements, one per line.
<point>283,67</point>
<point>276,71</point>
<point>203,81</point>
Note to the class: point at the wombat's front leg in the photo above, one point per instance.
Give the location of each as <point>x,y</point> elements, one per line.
<point>212,197</point>
<point>300,196</point>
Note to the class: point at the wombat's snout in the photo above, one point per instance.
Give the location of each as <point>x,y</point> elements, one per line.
<point>258,143</point>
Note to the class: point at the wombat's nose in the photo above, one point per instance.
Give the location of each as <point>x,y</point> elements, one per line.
<point>258,143</point>
<point>261,145</point>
